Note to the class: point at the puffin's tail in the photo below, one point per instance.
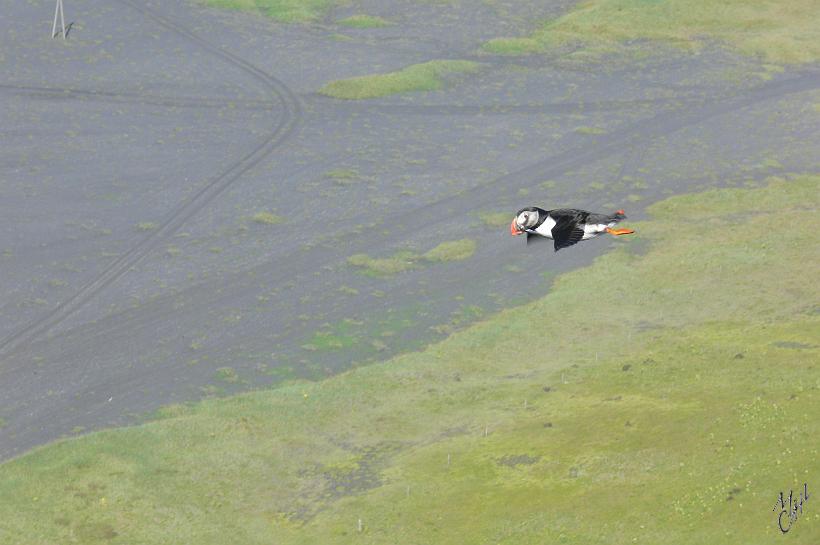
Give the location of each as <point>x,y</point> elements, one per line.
<point>615,218</point>
<point>607,218</point>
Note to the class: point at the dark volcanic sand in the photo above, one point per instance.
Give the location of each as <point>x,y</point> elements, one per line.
<point>194,120</point>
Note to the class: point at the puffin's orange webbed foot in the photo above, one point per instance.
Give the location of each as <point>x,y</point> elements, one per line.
<point>619,232</point>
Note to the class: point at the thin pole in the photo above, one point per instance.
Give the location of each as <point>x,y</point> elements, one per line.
<point>54,26</point>
<point>62,17</point>
<point>58,9</point>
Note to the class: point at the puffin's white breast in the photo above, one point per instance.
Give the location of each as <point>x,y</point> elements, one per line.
<point>545,229</point>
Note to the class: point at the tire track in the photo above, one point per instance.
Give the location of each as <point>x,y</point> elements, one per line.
<point>316,101</point>
<point>93,95</point>
<point>294,264</point>
<point>289,119</point>
<point>330,105</point>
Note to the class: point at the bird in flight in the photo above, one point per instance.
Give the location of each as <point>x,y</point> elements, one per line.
<point>565,226</point>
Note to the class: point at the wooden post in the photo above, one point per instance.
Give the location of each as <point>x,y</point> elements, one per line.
<point>58,10</point>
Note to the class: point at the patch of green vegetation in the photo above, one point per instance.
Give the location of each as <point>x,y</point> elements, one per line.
<point>343,335</point>
<point>454,250</point>
<point>426,76</point>
<point>513,46</point>
<point>286,11</point>
<point>146,226</point>
<point>590,130</point>
<point>172,251</point>
<point>174,410</point>
<point>227,374</point>
<point>676,418</point>
<point>364,21</point>
<point>343,176</point>
<point>342,38</point>
<point>366,337</point>
<point>3,423</point>
<point>399,262</point>
<point>495,219</point>
<point>267,218</point>
<point>778,32</point>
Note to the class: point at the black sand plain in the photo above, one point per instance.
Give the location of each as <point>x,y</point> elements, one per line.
<point>136,153</point>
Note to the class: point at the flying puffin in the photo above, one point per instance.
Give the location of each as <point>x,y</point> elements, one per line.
<point>565,226</point>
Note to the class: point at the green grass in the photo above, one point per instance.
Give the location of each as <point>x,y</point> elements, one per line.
<point>495,219</point>
<point>287,11</point>
<point>399,262</point>
<point>590,130</point>
<point>454,250</point>
<point>513,46</point>
<point>779,32</point>
<point>267,218</point>
<point>147,226</point>
<point>672,402</point>
<point>426,76</point>
<point>364,21</point>
<point>343,176</point>
<point>227,374</point>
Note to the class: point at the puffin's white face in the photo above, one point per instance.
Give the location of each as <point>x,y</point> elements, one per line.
<point>526,219</point>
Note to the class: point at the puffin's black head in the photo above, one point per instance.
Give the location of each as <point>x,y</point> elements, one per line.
<point>525,218</point>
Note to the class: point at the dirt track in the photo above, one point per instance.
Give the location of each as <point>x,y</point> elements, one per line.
<point>170,115</point>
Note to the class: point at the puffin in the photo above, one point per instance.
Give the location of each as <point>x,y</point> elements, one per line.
<point>565,226</point>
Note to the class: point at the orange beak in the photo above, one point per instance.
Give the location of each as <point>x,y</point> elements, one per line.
<point>514,230</point>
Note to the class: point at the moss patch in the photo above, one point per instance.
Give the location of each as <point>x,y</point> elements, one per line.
<point>287,11</point>
<point>267,218</point>
<point>399,262</point>
<point>513,46</point>
<point>426,76</point>
<point>495,219</point>
<point>779,32</point>
<point>454,250</point>
<point>364,21</point>
<point>590,130</point>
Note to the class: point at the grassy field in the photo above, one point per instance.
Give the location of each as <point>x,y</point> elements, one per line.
<point>287,11</point>
<point>454,250</point>
<point>672,400</point>
<point>363,21</point>
<point>779,32</point>
<point>425,76</point>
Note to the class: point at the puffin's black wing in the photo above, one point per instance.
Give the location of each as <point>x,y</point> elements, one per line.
<point>568,228</point>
